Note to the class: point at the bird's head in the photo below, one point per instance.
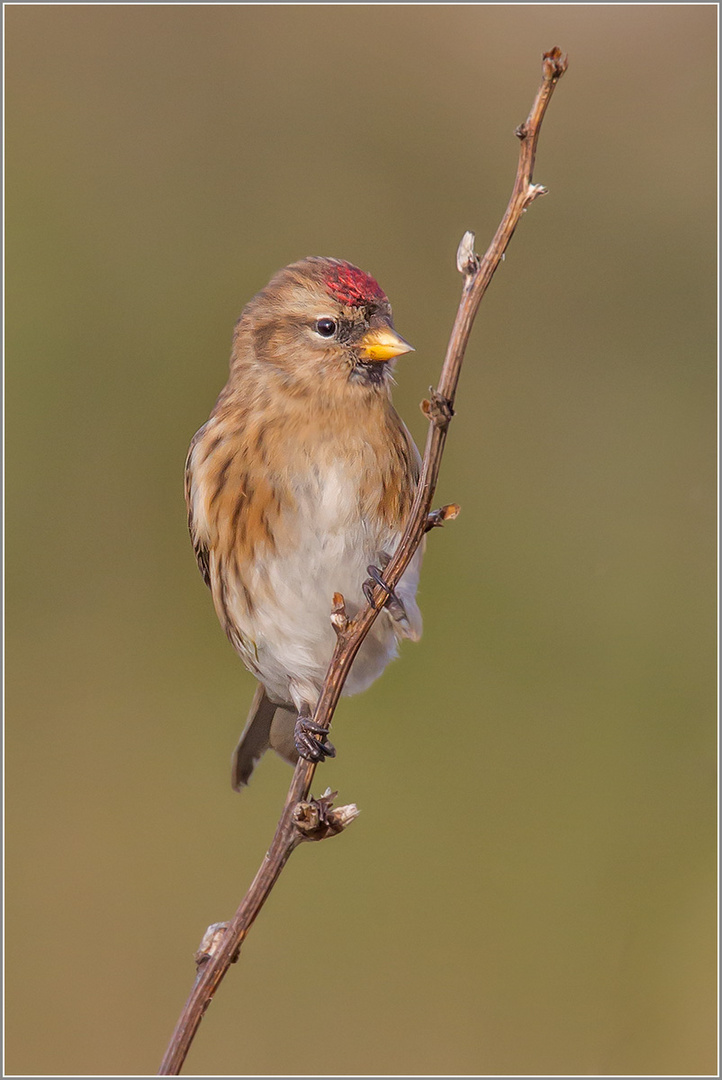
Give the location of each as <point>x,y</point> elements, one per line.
<point>322,325</point>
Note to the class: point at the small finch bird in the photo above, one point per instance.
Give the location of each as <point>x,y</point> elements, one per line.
<point>298,486</point>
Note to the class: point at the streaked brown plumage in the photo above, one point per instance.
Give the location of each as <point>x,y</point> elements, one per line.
<point>303,475</point>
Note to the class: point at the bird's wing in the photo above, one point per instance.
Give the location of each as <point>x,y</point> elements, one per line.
<point>199,546</point>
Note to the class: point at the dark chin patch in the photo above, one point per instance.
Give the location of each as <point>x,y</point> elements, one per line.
<point>372,373</point>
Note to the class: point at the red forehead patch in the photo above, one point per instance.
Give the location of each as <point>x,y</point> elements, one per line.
<point>353,287</point>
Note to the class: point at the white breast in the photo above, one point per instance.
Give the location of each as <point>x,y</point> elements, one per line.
<point>332,546</point>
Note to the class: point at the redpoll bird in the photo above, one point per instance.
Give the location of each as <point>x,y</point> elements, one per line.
<point>298,485</point>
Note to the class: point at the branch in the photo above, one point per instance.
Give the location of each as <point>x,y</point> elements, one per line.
<point>315,819</point>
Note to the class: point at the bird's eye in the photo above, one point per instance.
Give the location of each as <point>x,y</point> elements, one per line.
<point>326,327</point>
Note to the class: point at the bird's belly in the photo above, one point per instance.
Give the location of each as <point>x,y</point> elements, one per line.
<point>290,621</point>
<point>324,547</point>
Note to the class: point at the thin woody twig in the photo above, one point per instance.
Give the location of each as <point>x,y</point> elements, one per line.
<point>304,819</point>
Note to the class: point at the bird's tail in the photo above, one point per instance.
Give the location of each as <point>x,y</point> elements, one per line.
<point>268,725</point>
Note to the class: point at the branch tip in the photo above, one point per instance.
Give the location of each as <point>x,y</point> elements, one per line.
<point>438,409</point>
<point>344,815</point>
<point>554,64</point>
<point>339,617</point>
<point>316,820</point>
<point>437,518</point>
<point>467,261</point>
<point>535,191</point>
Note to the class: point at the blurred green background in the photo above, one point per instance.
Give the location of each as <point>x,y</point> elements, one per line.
<point>531,885</point>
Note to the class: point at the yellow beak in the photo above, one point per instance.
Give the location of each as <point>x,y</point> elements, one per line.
<point>383,343</point>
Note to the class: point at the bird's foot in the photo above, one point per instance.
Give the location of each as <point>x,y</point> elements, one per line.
<point>310,748</point>
<point>376,578</point>
<point>393,605</point>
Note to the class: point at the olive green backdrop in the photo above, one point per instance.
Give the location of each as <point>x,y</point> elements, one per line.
<point>530,887</point>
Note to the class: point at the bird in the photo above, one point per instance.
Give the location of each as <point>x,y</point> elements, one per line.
<point>299,486</point>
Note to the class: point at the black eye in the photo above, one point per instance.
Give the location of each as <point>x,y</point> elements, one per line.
<point>326,327</point>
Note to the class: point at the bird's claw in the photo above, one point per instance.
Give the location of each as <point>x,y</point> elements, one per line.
<point>393,605</point>
<point>376,578</point>
<point>310,748</point>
